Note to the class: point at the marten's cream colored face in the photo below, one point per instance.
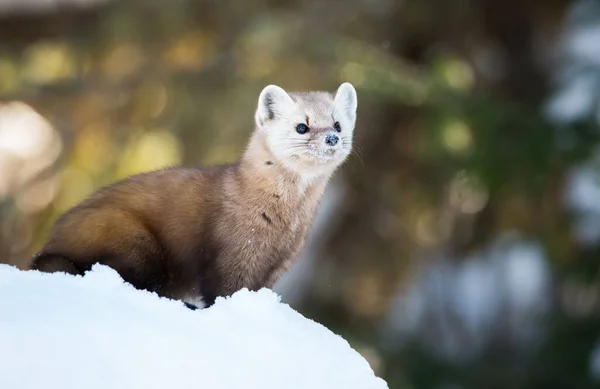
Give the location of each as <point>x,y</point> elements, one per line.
<point>309,132</point>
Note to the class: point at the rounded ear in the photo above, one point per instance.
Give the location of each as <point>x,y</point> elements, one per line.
<point>273,102</point>
<point>346,101</point>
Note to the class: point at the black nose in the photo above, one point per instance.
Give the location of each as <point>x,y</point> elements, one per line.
<point>331,139</point>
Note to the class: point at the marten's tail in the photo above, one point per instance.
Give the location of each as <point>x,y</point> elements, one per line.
<point>50,263</point>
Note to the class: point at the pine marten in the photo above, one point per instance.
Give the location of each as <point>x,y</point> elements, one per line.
<point>196,233</point>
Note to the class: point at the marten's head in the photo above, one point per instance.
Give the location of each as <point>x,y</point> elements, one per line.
<point>307,132</point>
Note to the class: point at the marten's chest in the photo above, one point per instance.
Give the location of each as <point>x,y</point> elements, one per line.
<point>267,233</point>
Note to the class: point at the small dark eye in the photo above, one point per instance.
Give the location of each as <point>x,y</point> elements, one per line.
<point>337,126</point>
<point>301,129</point>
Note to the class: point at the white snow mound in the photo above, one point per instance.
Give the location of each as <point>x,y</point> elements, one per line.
<point>59,332</point>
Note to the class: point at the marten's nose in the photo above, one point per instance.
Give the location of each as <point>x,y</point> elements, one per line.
<point>331,139</point>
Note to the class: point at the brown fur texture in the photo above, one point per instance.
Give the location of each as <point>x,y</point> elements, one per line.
<point>193,233</point>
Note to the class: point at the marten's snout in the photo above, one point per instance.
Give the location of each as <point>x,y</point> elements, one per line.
<point>331,139</point>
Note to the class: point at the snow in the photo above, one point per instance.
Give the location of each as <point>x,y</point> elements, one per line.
<point>455,306</point>
<point>574,100</point>
<point>96,331</point>
<point>577,74</point>
<point>581,194</point>
<point>595,362</point>
<point>577,97</point>
<point>39,6</point>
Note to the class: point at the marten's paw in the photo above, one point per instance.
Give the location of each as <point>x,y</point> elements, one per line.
<point>190,306</point>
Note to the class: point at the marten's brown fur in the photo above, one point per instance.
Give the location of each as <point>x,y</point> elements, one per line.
<point>195,233</point>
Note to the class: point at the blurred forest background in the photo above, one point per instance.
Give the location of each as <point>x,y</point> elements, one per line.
<point>458,248</point>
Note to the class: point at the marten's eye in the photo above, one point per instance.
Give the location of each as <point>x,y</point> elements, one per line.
<point>301,129</point>
<point>337,126</point>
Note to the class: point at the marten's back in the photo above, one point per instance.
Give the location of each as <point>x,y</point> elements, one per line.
<point>148,227</point>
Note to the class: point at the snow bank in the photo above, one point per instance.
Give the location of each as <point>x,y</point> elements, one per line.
<point>59,331</point>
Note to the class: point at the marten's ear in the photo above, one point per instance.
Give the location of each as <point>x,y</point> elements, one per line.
<point>346,102</point>
<point>273,102</point>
